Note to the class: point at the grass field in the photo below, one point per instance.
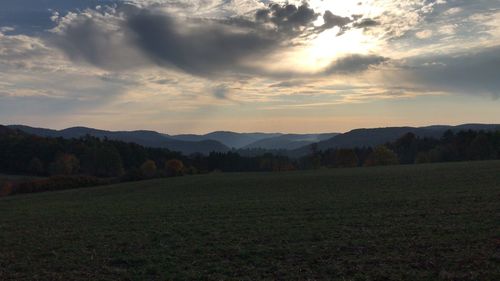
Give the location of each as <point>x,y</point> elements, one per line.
<point>421,222</point>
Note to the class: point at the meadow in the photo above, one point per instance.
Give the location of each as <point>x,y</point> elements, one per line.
<point>417,222</point>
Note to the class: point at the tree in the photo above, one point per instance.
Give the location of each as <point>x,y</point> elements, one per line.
<point>148,169</point>
<point>480,148</point>
<point>174,167</point>
<point>345,158</point>
<point>382,156</point>
<point>102,161</point>
<point>315,158</point>
<point>36,166</point>
<point>65,164</point>
<point>432,156</point>
<point>406,148</point>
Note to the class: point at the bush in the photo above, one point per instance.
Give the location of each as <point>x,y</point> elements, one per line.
<point>5,188</point>
<point>133,174</point>
<point>58,183</point>
<point>191,170</point>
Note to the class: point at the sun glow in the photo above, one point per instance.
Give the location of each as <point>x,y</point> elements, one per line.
<point>329,46</point>
<point>318,53</point>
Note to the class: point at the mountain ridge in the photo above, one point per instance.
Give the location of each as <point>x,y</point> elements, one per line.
<point>369,137</point>
<point>295,145</point>
<point>141,137</point>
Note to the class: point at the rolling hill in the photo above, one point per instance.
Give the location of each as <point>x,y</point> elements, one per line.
<point>289,141</point>
<point>295,145</point>
<point>378,136</point>
<point>144,138</point>
<point>230,139</point>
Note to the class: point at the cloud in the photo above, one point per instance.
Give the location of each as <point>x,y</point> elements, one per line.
<point>127,37</point>
<point>288,17</point>
<point>354,63</point>
<point>366,23</point>
<point>472,72</point>
<point>288,84</point>
<point>221,92</point>
<point>96,38</point>
<point>203,50</point>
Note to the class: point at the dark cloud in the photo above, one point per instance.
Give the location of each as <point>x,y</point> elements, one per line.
<point>473,72</point>
<point>203,50</point>
<point>221,92</point>
<point>354,63</point>
<point>332,20</point>
<point>288,17</point>
<point>94,41</point>
<point>134,37</point>
<point>366,23</point>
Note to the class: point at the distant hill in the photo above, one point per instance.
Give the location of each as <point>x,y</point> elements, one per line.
<point>294,145</point>
<point>4,130</point>
<point>289,141</point>
<point>144,138</point>
<point>377,136</point>
<point>230,139</point>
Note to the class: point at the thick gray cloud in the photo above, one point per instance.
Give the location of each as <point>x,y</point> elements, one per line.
<point>354,63</point>
<point>204,50</point>
<point>473,72</point>
<point>134,37</point>
<point>97,40</point>
<point>221,92</point>
<point>288,17</point>
<point>332,20</point>
<point>366,23</point>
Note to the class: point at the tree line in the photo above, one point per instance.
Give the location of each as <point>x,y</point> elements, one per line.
<point>410,149</point>
<point>96,159</point>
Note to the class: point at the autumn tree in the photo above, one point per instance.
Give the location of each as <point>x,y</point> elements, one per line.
<point>382,156</point>
<point>148,169</point>
<point>345,158</point>
<point>65,164</point>
<point>174,167</point>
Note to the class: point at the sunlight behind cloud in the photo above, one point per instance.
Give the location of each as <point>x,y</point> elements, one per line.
<point>328,47</point>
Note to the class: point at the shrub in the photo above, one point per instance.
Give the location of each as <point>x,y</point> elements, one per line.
<point>58,183</point>
<point>191,170</point>
<point>133,174</point>
<point>5,188</point>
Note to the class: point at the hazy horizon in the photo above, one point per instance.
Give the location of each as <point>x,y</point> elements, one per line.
<point>244,132</point>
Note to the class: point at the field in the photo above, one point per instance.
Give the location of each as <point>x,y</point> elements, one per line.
<point>420,222</point>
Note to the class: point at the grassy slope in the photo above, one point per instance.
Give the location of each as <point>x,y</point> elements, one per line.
<point>429,222</point>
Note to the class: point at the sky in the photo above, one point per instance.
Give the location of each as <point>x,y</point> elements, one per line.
<point>249,65</point>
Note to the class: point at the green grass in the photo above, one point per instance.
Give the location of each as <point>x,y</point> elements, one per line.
<point>422,222</point>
